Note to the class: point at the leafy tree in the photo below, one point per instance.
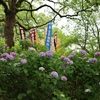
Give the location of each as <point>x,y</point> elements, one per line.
<point>88,30</point>
<point>13,8</point>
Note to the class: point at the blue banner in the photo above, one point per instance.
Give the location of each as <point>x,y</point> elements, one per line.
<point>48,35</point>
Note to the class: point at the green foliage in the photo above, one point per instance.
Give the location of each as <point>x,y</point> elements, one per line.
<point>1,44</point>
<point>72,39</point>
<point>27,75</point>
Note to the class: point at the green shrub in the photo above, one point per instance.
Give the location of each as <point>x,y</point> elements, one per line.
<point>30,75</point>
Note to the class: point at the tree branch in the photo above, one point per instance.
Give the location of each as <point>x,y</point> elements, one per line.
<point>19,2</point>
<point>45,5</point>
<point>36,25</point>
<point>4,5</point>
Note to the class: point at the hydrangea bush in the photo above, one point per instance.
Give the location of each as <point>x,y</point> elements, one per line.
<point>32,75</point>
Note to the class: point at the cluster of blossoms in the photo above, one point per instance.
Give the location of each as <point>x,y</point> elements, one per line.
<point>23,61</point>
<point>13,54</point>
<point>66,59</point>
<point>22,55</point>
<point>3,59</point>
<point>83,52</point>
<point>8,56</point>
<point>97,54</point>
<point>5,56</point>
<point>71,55</point>
<point>31,49</point>
<point>70,62</point>
<point>55,75</point>
<point>87,90</point>
<point>16,64</point>
<point>93,60</point>
<point>48,53</point>
<point>41,68</point>
<point>42,54</point>
<point>63,78</point>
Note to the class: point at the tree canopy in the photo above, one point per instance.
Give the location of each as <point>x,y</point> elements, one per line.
<point>24,13</point>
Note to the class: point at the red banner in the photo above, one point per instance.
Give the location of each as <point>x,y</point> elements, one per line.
<point>33,35</point>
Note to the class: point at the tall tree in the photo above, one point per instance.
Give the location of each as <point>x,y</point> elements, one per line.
<point>59,8</point>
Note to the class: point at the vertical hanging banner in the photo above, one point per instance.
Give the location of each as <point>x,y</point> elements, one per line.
<point>33,35</point>
<point>22,33</point>
<point>58,44</point>
<point>37,39</point>
<point>44,34</point>
<point>52,45</point>
<point>55,40</point>
<point>55,43</point>
<point>48,35</point>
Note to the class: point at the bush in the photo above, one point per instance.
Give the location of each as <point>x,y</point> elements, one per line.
<point>30,75</point>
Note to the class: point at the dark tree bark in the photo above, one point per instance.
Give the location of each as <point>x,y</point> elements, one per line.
<point>8,30</point>
<point>10,13</point>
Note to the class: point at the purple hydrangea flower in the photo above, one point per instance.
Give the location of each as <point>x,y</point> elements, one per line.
<point>54,74</point>
<point>70,62</point>
<point>22,55</point>
<point>23,61</point>
<point>10,57</point>
<point>13,54</point>
<point>42,54</point>
<point>41,68</point>
<point>49,53</point>
<point>63,78</point>
<point>97,54</point>
<point>4,54</point>
<point>66,59</point>
<point>83,52</point>
<point>71,55</point>
<point>93,60</point>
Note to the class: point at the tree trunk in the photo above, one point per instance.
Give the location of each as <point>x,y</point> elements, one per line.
<point>8,29</point>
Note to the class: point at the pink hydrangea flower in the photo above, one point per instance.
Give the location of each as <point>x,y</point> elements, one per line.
<point>3,59</point>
